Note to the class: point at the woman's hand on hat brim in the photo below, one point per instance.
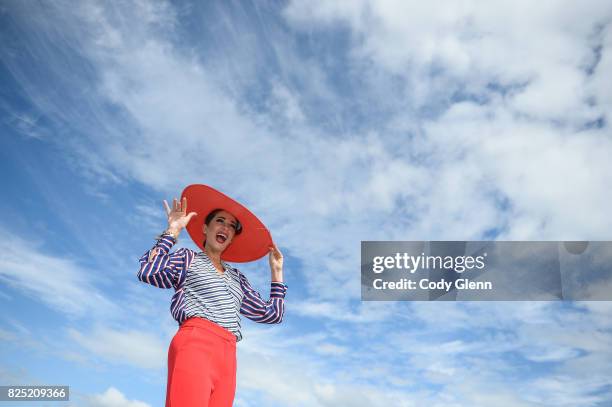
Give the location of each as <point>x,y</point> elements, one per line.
<point>276,263</point>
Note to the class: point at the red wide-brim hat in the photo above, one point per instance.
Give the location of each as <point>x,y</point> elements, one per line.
<point>251,244</point>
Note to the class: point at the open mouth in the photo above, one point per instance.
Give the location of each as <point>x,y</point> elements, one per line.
<point>221,237</point>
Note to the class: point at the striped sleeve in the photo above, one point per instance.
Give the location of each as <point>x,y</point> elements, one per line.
<point>258,310</point>
<point>161,268</point>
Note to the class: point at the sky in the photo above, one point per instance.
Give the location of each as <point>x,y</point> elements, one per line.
<point>335,122</point>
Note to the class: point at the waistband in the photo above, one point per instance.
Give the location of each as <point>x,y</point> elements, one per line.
<point>210,327</point>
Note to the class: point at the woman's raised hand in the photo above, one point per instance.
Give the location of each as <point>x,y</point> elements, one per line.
<point>177,216</point>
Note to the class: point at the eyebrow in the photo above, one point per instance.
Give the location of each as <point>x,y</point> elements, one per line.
<point>223,217</point>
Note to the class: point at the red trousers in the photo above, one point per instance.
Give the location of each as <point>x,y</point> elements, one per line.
<point>201,365</point>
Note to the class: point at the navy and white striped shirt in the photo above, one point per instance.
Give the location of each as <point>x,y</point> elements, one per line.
<point>200,290</point>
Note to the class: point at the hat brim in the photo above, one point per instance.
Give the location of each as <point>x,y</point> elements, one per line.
<point>251,244</point>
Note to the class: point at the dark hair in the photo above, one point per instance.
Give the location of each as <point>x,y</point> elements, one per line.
<point>211,216</point>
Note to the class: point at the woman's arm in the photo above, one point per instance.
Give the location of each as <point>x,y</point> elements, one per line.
<point>161,268</point>
<point>158,266</point>
<point>258,310</point>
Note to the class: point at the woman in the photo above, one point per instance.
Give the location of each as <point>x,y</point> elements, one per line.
<point>209,293</point>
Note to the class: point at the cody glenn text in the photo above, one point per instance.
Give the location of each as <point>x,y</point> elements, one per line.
<point>426,284</point>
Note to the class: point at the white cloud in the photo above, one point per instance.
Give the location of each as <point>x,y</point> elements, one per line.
<point>522,144</point>
<point>133,347</point>
<point>600,84</point>
<point>534,164</point>
<point>286,103</point>
<point>356,313</point>
<point>331,349</point>
<point>112,398</point>
<point>59,283</point>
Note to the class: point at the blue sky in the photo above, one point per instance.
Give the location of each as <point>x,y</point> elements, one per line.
<point>335,122</point>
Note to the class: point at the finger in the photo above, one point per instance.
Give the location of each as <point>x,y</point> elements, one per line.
<point>273,256</point>
<point>184,208</point>
<point>191,215</point>
<point>166,207</point>
<point>175,204</point>
<point>276,248</point>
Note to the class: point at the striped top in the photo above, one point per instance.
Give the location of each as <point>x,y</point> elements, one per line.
<point>200,290</point>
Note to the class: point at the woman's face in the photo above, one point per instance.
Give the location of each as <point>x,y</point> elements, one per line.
<point>220,231</point>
